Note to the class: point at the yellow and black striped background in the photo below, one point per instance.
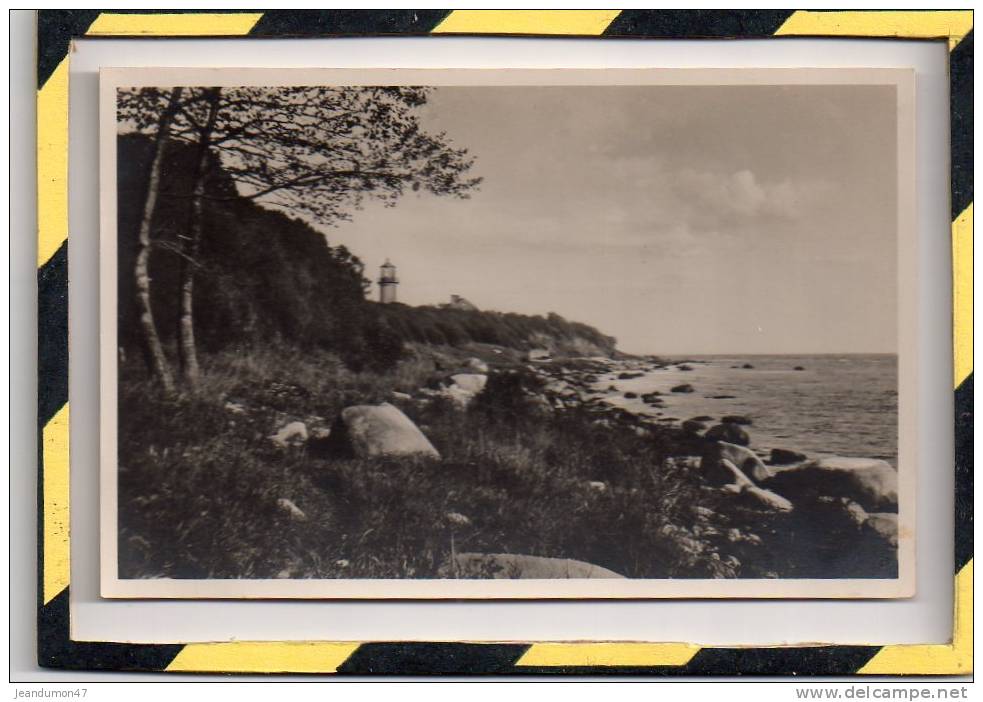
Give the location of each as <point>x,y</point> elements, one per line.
<point>56,649</point>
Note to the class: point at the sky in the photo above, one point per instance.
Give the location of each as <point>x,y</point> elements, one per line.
<point>679,219</point>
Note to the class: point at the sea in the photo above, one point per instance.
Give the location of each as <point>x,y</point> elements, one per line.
<point>845,405</point>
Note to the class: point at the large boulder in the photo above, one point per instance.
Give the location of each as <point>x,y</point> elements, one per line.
<point>735,482</point>
<point>870,482</point>
<point>366,431</point>
<point>501,566</point>
<point>731,433</point>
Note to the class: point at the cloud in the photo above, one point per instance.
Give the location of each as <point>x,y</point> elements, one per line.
<point>739,194</point>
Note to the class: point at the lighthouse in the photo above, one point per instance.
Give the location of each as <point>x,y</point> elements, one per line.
<point>387,283</point>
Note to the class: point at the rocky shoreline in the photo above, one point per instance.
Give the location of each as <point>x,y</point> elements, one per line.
<point>778,512</point>
<point>862,492</point>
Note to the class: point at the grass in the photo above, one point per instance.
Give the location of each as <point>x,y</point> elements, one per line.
<point>199,482</point>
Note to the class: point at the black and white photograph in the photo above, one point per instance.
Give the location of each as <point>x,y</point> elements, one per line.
<point>507,334</point>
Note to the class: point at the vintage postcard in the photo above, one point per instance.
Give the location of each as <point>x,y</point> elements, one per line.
<point>508,334</point>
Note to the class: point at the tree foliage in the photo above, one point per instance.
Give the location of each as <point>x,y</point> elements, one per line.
<point>319,151</point>
<point>314,151</point>
<point>457,327</point>
<point>261,275</point>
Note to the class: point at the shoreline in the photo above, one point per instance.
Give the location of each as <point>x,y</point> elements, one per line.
<point>607,385</point>
<point>724,385</point>
<point>835,504</point>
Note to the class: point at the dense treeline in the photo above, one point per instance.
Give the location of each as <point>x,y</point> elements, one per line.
<point>260,275</point>
<point>263,276</point>
<point>456,327</point>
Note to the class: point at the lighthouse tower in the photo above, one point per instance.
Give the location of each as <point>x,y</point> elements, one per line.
<point>387,283</point>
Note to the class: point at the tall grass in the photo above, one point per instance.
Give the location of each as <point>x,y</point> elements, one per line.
<point>200,481</point>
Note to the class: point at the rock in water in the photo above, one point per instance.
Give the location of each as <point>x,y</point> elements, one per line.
<point>470,382</point>
<point>366,431</point>
<point>685,387</point>
<point>736,419</point>
<point>731,433</point>
<point>502,566</point>
<point>784,457</point>
<point>870,482</point>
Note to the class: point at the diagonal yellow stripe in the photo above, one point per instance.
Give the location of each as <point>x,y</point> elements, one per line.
<point>607,654</point>
<point>962,295</point>
<point>203,24</point>
<point>938,659</point>
<point>54,489</point>
<point>573,22</point>
<point>262,657</point>
<point>53,107</point>
<point>52,137</point>
<point>914,24</point>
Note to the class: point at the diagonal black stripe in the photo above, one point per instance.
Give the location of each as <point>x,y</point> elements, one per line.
<point>432,659</point>
<point>697,23</point>
<point>57,650</point>
<point>52,335</point>
<point>961,123</point>
<point>278,23</point>
<point>964,473</point>
<point>56,28</point>
<point>806,660</point>
<point>39,523</point>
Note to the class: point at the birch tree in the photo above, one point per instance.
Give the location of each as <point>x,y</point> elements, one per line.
<point>315,151</point>
<point>141,271</point>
